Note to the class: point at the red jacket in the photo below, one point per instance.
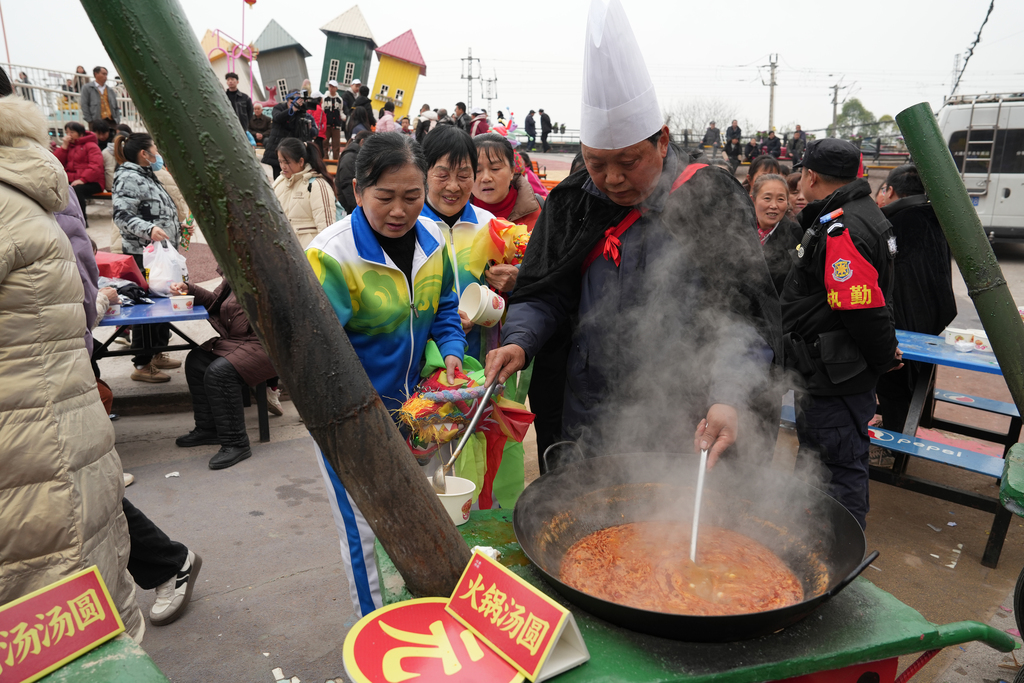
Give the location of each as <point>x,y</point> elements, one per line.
<point>82,160</point>
<point>321,121</point>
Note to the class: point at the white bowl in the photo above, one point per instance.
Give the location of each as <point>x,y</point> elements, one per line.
<point>483,306</point>
<point>182,304</point>
<point>459,498</point>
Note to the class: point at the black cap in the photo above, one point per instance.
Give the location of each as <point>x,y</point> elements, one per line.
<point>831,156</point>
<point>532,111</point>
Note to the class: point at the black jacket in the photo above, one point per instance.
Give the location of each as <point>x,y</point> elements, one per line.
<point>545,123</point>
<point>841,351</point>
<point>774,146</point>
<point>752,150</point>
<point>778,249</point>
<point>344,175</point>
<point>347,100</point>
<point>285,125</point>
<point>701,259</point>
<point>733,151</point>
<point>712,136</point>
<point>463,121</point>
<point>733,132</point>
<point>923,299</point>
<point>242,106</point>
<point>531,126</point>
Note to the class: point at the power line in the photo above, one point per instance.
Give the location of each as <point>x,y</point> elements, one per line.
<point>970,50</point>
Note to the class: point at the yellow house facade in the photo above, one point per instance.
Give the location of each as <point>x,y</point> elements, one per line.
<point>400,68</point>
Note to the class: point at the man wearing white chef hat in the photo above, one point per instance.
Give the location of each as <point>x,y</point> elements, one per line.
<point>644,295</point>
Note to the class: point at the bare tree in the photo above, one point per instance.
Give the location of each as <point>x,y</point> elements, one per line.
<point>692,116</point>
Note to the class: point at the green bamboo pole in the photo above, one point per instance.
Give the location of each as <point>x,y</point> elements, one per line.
<point>968,242</point>
<point>170,80</point>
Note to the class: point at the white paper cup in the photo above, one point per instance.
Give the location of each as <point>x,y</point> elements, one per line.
<point>481,305</point>
<point>954,334</point>
<point>458,499</point>
<point>182,304</point>
<point>113,309</point>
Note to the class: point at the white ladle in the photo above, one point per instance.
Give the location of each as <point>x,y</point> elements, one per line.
<point>696,505</point>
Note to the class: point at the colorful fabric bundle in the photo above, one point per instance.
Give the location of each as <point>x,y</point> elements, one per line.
<point>432,422</point>
<point>501,242</point>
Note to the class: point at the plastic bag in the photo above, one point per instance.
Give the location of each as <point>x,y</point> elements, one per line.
<point>165,266</point>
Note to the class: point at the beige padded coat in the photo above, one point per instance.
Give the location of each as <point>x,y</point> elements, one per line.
<point>308,202</point>
<point>60,477</point>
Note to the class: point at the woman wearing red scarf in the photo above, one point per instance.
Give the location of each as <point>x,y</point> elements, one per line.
<point>501,186</point>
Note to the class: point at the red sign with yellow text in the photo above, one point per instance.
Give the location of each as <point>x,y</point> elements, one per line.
<point>418,639</point>
<point>511,616</point>
<point>48,628</point>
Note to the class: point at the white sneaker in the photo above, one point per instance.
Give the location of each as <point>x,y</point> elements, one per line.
<point>129,479</point>
<point>274,401</point>
<point>173,595</point>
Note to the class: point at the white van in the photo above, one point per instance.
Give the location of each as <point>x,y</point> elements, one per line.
<point>985,134</point>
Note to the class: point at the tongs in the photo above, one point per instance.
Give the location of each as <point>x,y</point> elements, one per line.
<point>696,504</point>
<point>438,479</point>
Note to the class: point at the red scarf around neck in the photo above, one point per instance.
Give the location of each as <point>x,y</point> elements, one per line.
<point>502,209</point>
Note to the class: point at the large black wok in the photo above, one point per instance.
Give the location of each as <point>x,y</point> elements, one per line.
<point>813,534</point>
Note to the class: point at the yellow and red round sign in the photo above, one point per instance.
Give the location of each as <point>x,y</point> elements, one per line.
<point>418,639</point>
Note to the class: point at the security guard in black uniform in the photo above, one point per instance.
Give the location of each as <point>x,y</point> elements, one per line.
<point>837,317</point>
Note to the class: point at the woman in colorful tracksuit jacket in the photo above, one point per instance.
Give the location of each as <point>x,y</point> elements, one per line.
<point>388,323</point>
<point>471,243</point>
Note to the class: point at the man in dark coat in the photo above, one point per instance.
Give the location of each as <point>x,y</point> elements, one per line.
<point>531,130</point>
<point>462,119</point>
<point>287,123</point>
<point>837,314</point>
<point>349,97</point>
<point>712,139</point>
<point>923,299</point>
<point>734,131</point>
<point>241,103</point>
<point>773,144</point>
<point>545,130</point>
<point>796,146</point>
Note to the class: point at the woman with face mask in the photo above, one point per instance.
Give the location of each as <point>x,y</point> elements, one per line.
<point>144,213</point>
<point>386,253</point>
<point>779,235</point>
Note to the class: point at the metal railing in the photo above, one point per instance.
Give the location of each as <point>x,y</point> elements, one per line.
<point>55,93</point>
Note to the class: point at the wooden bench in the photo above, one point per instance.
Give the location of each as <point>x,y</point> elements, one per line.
<point>944,454</point>
<point>101,195</point>
<point>538,171</point>
<point>549,184</point>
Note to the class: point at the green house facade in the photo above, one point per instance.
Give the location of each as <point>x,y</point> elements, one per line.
<point>349,49</point>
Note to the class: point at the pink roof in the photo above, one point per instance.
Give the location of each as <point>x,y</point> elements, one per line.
<point>404,47</point>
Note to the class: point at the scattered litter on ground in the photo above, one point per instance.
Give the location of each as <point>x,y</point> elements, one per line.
<point>1005,609</point>
<point>267,654</point>
<point>947,523</point>
<point>278,673</point>
<point>934,528</point>
<point>934,555</point>
<point>956,555</point>
<point>172,474</point>
<point>874,567</point>
<point>1013,632</point>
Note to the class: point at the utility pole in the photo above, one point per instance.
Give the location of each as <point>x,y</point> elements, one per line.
<point>470,74</point>
<point>773,63</point>
<point>490,90</point>
<point>835,105</point>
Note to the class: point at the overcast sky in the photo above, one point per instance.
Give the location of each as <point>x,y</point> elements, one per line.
<point>891,53</point>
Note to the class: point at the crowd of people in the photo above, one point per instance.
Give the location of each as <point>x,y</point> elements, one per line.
<point>794,273</point>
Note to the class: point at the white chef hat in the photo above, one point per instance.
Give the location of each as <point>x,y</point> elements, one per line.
<point>620,107</point>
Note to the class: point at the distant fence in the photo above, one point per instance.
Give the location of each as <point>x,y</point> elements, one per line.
<point>58,94</point>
